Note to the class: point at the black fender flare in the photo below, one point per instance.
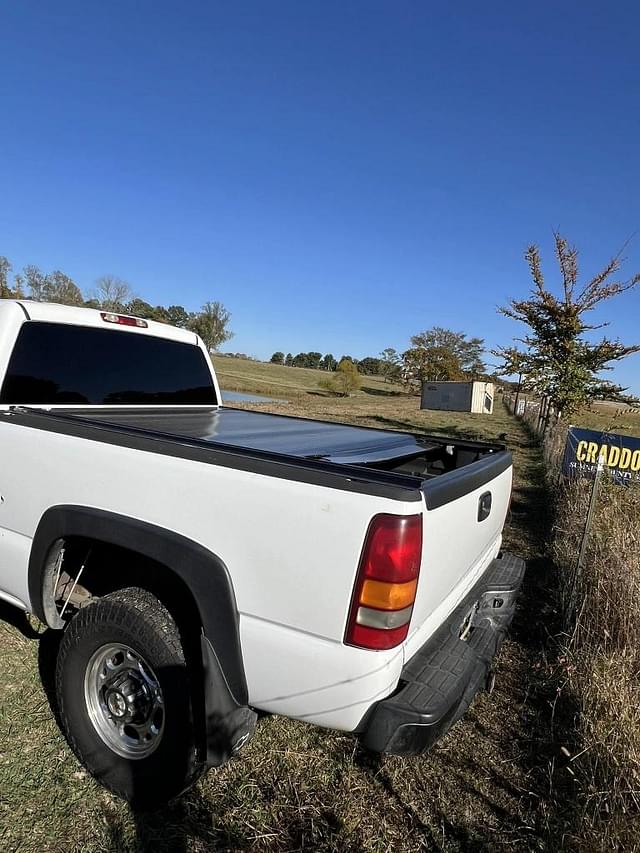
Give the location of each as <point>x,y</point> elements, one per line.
<point>202,571</point>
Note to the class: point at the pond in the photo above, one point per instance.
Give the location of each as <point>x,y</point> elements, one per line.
<point>236,397</point>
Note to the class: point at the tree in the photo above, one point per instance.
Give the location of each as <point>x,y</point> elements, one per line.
<point>557,360</point>
<point>328,362</point>
<point>139,308</point>
<point>60,288</point>
<point>54,287</point>
<point>36,282</point>
<point>390,361</point>
<point>431,364</point>
<point>443,355</point>
<point>5,269</point>
<point>277,358</point>
<point>18,289</point>
<point>178,316</point>
<point>112,293</point>
<point>513,364</point>
<point>160,314</point>
<point>289,360</point>
<point>211,323</point>
<point>345,379</point>
<point>307,359</point>
<point>370,366</point>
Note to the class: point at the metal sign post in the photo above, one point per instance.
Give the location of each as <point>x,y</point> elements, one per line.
<point>593,499</point>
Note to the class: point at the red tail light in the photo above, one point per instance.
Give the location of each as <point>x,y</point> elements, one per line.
<point>386,585</point>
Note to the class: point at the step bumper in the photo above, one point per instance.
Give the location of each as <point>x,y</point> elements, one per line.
<point>439,682</point>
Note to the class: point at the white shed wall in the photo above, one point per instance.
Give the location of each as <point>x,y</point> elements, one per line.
<point>458,396</point>
<point>482,398</point>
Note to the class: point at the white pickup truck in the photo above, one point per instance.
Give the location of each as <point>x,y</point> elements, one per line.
<point>204,563</point>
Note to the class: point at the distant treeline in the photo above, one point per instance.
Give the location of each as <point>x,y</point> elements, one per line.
<point>369,366</point>
<point>112,294</point>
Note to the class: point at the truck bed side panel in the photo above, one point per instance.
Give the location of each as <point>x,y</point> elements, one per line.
<point>292,550</point>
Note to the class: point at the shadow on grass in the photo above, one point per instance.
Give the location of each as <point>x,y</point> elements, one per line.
<point>537,627</point>
<point>382,392</point>
<point>182,825</point>
<point>194,823</point>
<point>17,618</point>
<point>408,426</point>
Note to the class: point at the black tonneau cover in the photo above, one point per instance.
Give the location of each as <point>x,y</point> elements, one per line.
<point>309,439</point>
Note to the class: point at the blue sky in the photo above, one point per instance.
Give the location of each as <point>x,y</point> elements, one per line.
<point>340,174</point>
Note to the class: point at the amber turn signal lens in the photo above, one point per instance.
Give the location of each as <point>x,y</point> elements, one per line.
<point>388,596</point>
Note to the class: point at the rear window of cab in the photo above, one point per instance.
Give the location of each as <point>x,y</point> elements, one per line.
<point>55,363</point>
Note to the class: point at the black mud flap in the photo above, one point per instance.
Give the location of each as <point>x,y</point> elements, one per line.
<point>228,724</point>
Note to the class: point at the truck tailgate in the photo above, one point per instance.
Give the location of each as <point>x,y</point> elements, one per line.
<point>459,541</point>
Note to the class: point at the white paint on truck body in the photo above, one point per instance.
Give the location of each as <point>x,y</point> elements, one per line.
<point>292,548</point>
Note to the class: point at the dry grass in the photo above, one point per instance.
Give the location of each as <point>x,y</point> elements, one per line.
<point>601,603</point>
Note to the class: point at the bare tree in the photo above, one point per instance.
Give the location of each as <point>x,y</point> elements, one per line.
<point>112,293</point>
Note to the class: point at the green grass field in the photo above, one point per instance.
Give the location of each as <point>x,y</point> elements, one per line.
<point>274,380</point>
<point>486,786</point>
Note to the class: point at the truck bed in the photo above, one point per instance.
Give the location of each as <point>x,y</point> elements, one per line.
<point>365,459</point>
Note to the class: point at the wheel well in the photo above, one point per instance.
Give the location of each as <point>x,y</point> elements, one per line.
<point>101,568</point>
<point>104,551</point>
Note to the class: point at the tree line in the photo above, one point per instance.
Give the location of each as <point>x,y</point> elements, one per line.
<point>111,293</point>
<point>556,358</point>
<point>316,361</point>
<point>435,354</point>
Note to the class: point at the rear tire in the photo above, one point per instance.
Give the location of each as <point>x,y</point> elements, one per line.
<point>124,698</point>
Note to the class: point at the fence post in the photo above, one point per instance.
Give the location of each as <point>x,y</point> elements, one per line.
<point>515,405</point>
<point>540,413</point>
<point>547,418</point>
<point>595,488</point>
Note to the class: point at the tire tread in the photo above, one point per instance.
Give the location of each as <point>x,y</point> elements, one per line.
<point>138,612</point>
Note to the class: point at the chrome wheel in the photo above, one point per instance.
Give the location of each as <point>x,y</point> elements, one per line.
<point>124,701</point>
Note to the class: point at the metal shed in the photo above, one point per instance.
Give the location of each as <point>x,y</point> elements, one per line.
<point>458,396</point>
